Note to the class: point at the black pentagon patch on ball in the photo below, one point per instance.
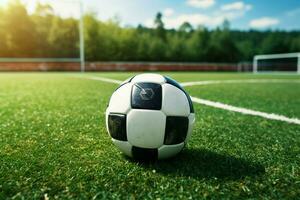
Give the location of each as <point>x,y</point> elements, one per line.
<point>174,83</point>
<point>176,130</point>
<point>146,96</point>
<point>144,154</point>
<point>117,126</point>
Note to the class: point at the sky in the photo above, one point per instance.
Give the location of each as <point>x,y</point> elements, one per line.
<point>242,14</point>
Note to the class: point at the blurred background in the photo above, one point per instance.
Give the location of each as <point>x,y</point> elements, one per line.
<point>140,35</point>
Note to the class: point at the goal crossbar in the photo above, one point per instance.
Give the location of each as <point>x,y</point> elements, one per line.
<point>276,56</point>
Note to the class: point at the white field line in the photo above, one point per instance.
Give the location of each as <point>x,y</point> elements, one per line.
<point>108,80</point>
<point>246,111</point>
<point>223,106</point>
<point>239,81</point>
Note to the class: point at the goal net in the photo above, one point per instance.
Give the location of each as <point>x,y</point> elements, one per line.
<point>288,62</point>
<point>41,35</point>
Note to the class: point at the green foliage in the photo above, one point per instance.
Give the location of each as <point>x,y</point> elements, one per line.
<point>160,27</point>
<point>61,29</point>
<point>186,27</point>
<point>44,34</point>
<point>295,46</point>
<point>20,40</point>
<point>3,44</point>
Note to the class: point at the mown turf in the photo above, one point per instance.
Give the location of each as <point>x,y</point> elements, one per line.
<point>53,143</point>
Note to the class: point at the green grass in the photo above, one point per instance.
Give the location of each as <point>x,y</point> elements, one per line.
<point>53,142</point>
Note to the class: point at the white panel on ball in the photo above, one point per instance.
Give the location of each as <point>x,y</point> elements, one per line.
<point>120,100</point>
<point>174,101</point>
<point>125,147</point>
<point>152,78</point>
<point>191,126</point>
<point>146,128</point>
<point>167,151</point>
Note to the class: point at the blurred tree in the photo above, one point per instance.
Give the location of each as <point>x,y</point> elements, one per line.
<point>226,25</point>
<point>246,49</point>
<point>20,30</point>
<point>43,18</point>
<point>198,45</point>
<point>295,44</point>
<point>176,48</point>
<point>3,35</point>
<point>93,45</point>
<point>157,50</point>
<point>159,26</point>
<point>128,44</point>
<point>275,42</point>
<point>222,46</point>
<point>186,27</point>
<point>143,46</point>
<point>60,30</point>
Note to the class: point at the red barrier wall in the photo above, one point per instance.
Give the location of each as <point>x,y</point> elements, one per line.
<point>115,66</point>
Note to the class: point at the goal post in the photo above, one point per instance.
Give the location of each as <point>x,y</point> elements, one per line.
<point>286,62</point>
<point>81,37</point>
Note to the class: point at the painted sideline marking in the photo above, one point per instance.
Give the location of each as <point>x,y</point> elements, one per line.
<point>223,106</point>
<point>239,81</point>
<point>108,80</point>
<point>246,111</point>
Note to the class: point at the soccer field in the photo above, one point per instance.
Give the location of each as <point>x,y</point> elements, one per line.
<point>54,144</point>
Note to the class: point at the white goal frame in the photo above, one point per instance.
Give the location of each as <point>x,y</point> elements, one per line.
<point>81,36</point>
<point>276,56</point>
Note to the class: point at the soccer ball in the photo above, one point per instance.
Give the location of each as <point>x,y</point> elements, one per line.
<point>150,117</point>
